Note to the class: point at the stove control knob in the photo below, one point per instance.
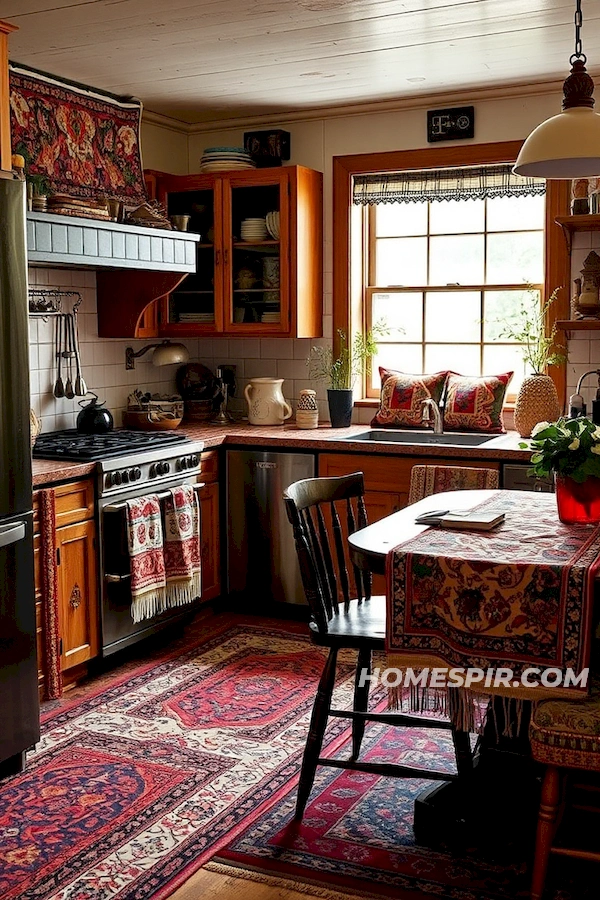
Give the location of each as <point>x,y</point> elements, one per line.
<point>193,461</point>
<point>117,478</point>
<point>182,464</point>
<point>153,471</point>
<point>125,476</point>
<point>108,481</point>
<point>166,468</point>
<point>135,474</point>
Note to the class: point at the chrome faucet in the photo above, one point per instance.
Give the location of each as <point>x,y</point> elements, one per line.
<point>430,408</point>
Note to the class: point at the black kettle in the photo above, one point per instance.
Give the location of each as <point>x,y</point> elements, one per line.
<point>93,418</point>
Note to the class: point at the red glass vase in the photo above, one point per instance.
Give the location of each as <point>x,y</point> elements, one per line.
<point>578,502</point>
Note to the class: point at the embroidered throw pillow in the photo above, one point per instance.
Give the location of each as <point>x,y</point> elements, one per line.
<point>474,403</point>
<point>402,395</point>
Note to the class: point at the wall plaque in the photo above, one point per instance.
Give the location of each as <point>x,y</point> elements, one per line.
<point>451,124</point>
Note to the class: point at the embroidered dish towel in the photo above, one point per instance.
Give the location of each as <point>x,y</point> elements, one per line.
<point>182,546</point>
<point>145,542</point>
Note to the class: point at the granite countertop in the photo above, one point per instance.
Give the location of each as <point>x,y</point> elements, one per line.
<point>323,439</point>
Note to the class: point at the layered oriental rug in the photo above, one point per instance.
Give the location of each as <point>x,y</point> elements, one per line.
<point>144,776</point>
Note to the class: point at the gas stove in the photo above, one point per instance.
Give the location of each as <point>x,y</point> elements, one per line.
<point>75,447</point>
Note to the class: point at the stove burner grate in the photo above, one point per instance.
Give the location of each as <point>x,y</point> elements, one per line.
<point>72,446</point>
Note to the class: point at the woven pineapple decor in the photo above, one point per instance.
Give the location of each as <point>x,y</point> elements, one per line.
<point>537,401</point>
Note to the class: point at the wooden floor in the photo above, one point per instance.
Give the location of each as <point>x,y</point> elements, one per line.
<point>219,886</point>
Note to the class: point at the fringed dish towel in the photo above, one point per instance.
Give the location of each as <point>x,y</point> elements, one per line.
<point>517,597</point>
<point>182,546</point>
<point>145,542</point>
<point>165,561</point>
<point>51,661</point>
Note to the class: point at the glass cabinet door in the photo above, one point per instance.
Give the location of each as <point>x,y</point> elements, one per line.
<point>255,242</point>
<point>194,304</point>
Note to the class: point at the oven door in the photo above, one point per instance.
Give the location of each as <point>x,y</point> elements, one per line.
<point>118,628</point>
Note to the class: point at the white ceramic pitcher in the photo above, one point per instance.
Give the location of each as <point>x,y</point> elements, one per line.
<point>266,403</point>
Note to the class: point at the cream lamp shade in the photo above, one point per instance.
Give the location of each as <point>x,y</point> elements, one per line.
<point>567,145</point>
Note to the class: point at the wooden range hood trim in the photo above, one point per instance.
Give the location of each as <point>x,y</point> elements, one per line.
<point>124,294</point>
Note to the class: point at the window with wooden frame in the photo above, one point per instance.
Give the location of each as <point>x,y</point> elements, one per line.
<point>373,243</point>
<point>446,276</point>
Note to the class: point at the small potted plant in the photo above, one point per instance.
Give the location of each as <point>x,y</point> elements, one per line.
<point>569,449</point>
<point>537,399</point>
<point>341,370</point>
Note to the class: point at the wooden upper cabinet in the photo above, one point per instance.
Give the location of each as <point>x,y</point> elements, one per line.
<point>5,150</point>
<point>261,286</point>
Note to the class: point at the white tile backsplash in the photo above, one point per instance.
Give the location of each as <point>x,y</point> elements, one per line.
<point>103,359</point>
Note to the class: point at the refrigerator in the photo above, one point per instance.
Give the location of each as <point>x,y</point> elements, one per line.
<point>19,706</point>
<point>263,574</point>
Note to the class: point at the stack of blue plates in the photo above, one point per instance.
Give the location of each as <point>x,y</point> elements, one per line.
<point>218,159</point>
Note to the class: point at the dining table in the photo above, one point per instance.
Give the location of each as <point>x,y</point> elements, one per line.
<point>504,767</point>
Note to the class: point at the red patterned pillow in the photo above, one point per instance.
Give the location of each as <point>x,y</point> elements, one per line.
<point>402,397</point>
<point>474,403</point>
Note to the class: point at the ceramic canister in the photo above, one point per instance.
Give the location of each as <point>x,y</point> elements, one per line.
<point>266,403</point>
<point>307,411</point>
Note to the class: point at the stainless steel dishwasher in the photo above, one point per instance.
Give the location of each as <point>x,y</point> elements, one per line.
<point>262,567</point>
<point>515,478</point>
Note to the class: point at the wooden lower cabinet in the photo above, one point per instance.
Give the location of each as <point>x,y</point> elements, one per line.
<point>211,542</point>
<point>77,593</point>
<point>76,568</point>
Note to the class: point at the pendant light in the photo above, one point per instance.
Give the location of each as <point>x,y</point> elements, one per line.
<point>567,145</point>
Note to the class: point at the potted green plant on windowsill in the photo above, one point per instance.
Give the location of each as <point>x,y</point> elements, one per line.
<point>537,399</point>
<point>341,370</point>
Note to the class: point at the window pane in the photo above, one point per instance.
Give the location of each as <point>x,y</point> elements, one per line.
<point>502,308</point>
<point>403,358</point>
<point>399,219</point>
<point>456,216</point>
<point>403,315</point>
<point>456,260</point>
<point>451,317</point>
<point>515,258</point>
<point>401,261</point>
<point>461,358</point>
<point>498,359</point>
<point>512,213</point>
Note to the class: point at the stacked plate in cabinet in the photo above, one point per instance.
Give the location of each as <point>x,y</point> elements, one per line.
<point>253,230</point>
<point>220,159</point>
<point>272,223</point>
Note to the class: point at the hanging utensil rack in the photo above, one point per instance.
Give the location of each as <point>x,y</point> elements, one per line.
<point>46,302</point>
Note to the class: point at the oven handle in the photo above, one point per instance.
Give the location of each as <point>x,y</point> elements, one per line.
<point>117,507</point>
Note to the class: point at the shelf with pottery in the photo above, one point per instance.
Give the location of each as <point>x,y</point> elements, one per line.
<point>259,270</point>
<point>573,224</point>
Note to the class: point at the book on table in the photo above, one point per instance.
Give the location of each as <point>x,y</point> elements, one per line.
<point>468,519</point>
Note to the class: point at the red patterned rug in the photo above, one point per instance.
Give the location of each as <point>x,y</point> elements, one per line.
<point>138,780</point>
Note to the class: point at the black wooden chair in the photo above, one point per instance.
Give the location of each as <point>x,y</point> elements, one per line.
<point>340,621</point>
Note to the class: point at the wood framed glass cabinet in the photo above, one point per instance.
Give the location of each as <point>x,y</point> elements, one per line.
<point>247,282</point>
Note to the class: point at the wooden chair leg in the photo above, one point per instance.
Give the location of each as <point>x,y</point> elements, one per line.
<point>547,820</point>
<point>462,752</point>
<point>314,742</point>
<point>361,699</point>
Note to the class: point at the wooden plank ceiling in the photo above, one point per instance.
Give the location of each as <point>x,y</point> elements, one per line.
<point>202,60</point>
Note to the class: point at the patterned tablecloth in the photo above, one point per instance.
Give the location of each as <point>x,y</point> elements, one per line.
<point>517,597</point>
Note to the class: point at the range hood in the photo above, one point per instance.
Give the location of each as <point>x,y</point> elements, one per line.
<point>54,240</point>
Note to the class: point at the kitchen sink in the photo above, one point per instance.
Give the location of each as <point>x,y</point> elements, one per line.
<point>420,437</point>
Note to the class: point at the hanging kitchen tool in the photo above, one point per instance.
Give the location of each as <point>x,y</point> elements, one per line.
<point>59,388</point>
<point>80,385</point>
<point>69,354</point>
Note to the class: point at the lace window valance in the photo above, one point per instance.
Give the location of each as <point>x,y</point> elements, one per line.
<point>473,182</point>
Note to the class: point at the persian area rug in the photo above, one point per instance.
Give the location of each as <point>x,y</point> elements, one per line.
<point>138,780</point>
<point>85,143</point>
<point>357,833</point>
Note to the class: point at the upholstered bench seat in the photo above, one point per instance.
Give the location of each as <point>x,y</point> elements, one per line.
<point>567,732</point>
